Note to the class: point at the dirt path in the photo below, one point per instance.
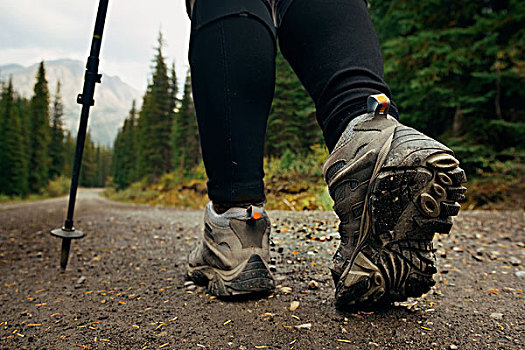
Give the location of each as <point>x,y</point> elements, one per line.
<point>124,287</point>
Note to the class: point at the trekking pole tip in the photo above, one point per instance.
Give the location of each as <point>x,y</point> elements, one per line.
<point>67,235</point>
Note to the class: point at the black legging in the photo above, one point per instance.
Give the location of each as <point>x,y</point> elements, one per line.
<point>330,44</point>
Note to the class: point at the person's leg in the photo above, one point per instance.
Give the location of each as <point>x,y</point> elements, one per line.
<point>333,48</point>
<point>392,186</point>
<point>232,58</point>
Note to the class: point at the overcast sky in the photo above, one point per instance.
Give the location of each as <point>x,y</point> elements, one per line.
<point>35,30</point>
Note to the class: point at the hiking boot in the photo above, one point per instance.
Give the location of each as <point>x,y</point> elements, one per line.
<point>232,257</point>
<point>393,189</point>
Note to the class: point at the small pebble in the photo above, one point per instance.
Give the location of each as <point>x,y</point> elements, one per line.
<point>478,258</point>
<point>81,279</point>
<point>514,261</point>
<point>496,315</point>
<point>453,347</point>
<point>304,326</point>
<point>286,290</point>
<point>520,273</point>
<point>294,305</point>
<point>313,285</point>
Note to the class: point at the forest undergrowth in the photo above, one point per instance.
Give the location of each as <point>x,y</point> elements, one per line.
<point>295,183</point>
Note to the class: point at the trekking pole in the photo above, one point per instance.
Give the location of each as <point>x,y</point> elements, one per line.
<point>91,77</point>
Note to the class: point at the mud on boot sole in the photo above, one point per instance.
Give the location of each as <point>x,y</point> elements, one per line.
<point>250,277</point>
<point>407,205</point>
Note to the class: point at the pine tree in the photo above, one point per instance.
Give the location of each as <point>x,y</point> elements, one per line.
<point>12,172</point>
<point>185,138</point>
<point>155,122</point>
<point>98,178</point>
<point>88,171</point>
<point>174,91</point>
<point>69,151</point>
<point>56,145</point>
<point>456,67</point>
<point>39,133</point>
<point>117,170</point>
<point>291,124</point>
<point>3,140</point>
<point>24,111</point>
<point>96,163</point>
<point>104,165</point>
<point>123,168</point>
<point>130,146</point>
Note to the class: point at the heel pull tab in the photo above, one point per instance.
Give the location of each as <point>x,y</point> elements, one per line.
<point>256,213</point>
<point>378,104</point>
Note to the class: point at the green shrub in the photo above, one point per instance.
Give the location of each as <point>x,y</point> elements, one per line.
<point>57,187</point>
<point>4,198</point>
<point>502,134</point>
<point>291,165</point>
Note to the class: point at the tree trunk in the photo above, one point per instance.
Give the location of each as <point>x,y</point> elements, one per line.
<point>458,117</point>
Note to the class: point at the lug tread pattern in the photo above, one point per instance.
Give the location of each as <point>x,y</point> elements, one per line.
<point>254,278</point>
<point>414,196</point>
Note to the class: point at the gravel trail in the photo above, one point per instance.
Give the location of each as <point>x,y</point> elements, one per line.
<point>124,287</point>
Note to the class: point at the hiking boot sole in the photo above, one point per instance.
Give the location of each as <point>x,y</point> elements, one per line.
<point>413,196</point>
<point>250,277</point>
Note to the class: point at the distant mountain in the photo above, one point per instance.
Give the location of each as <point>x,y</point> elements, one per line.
<point>112,98</point>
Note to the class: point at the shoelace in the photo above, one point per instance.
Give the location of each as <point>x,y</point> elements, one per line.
<point>365,219</point>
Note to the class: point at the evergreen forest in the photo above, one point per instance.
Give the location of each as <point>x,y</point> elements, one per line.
<point>36,152</point>
<point>456,70</point>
